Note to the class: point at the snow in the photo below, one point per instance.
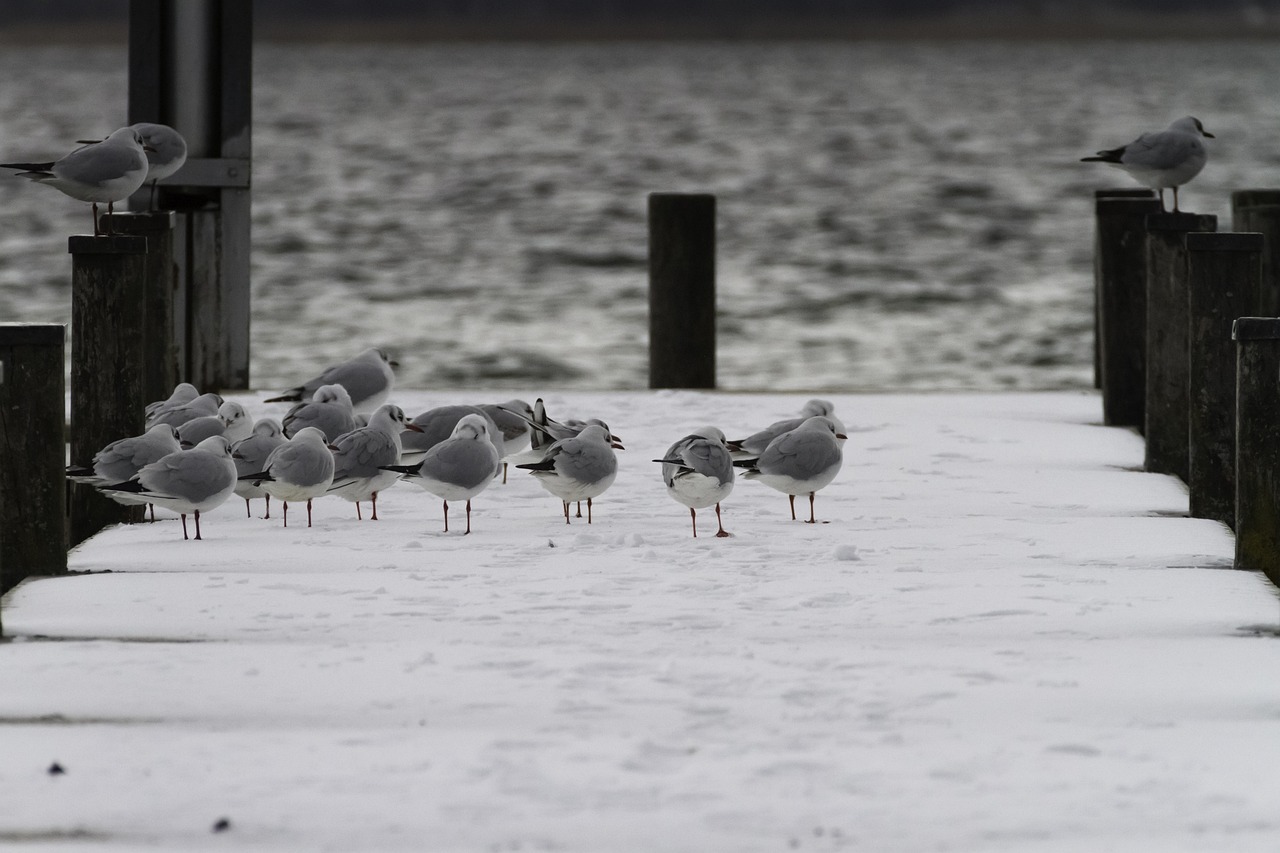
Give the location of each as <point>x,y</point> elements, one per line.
<point>1003,636</point>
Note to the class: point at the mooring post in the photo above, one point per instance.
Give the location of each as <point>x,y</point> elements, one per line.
<point>108,291</point>
<point>682,290</point>
<point>1111,192</point>
<point>1258,445</point>
<point>159,348</point>
<point>1120,274</point>
<point>1167,391</point>
<point>32,463</point>
<point>1259,210</point>
<point>1224,280</point>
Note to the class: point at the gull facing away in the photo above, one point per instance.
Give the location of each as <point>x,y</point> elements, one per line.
<point>754,444</point>
<point>437,425</point>
<point>798,462</point>
<point>698,472</point>
<point>578,468</point>
<point>166,153</point>
<point>329,410</point>
<point>512,419</point>
<point>121,460</point>
<point>250,455</point>
<point>178,414</point>
<point>1162,159</point>
<point>367,377</point>
<point>299,469</point>
<point>187,481</point>
<point>361,455</point>
<point>458,468</point>
<point>182,394</point>
<point>100,172</point>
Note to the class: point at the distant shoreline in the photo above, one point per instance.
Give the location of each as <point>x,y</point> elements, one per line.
<point>1117,26</point>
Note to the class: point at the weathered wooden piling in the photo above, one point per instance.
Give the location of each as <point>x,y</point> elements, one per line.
<point>1259,210</point>
<point>1223,281</point>
<point>108,292</point>
<point>160,348</point>
<point>1120,275</point>
<point>682,290</point>
<point>32,433</point>
<point>1258,445</point>
<point>1110,192</point>
<point>1167,391</point>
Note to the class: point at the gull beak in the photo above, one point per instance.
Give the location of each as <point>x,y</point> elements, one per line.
<point>410,425</point>
<point>615,444</point>
<point>842,436</point>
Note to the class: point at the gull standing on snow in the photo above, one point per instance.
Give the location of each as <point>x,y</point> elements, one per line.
<point>512,419</point>
<point>186,481</point>
<point>106,171</point>
<point>1167,158</point>
<point>754,444</point>
<point>231,420</point>
<point>361,455</point>
<point>367,377</point>
<point>299,469</point>
<point>578,468</point>
<point>799,462</point>
<point>250,455</point>
<point>177,415</point>
<point>698,472</point>
<point>458,468</point>
<point>437,425</point>
<point>182,394</point>
<point>121,460</point>
<point>329,411</point>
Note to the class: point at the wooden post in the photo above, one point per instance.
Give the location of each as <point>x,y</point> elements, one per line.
<point>1120,273</point>
<point>160,349</point>
<point>1168,403</point>
<point>32,468</point>
<point>682,290</point>
<point>1111,192</point>
<point>1258,445</point>
<point>1224,279</point>
<point>1259,210</point>
<point>107,296</point>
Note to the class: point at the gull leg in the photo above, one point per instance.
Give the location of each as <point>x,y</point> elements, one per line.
<point>374,498</point>
<point>580,510</point>
<point>722,533</point>
<point>268,515</point>
<point>793,506</point>
<point>1175,199</point>
<point>468,515</point>
<point>197,524</point>
<point>359,517</point>
<point>184,524</point>
<point>812,520</point>
<point>308,512</point>
<point>446,516</point>
<point>152,509</point>
<point>693,514</point>
<point>96,231</point>
<point>111,231</point>
<point>504,473</point>
<point>588,510</point>
<point>566,511</point>
<point>286,513</point>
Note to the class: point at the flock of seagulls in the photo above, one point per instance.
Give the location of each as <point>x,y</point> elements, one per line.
<point>110,170</point>
<point>340,438</point>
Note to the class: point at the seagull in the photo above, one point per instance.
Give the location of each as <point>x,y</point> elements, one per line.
<point>578,468</point>
<point>106,171</point>
<point>183,393</point>
<point>436,425</point>
<point>458,468</point>
<point>698,472</point>
<point>186,481</point>
<point>1162,159</point>
<point>166,152</point>
<point>512,419</point>
<point>231,420</point>
<point>359,457</point>
<point>177,415</point>
<point>121,460</point>
<point>299,469</point>
<point>250,455</point>
<point>367,377</point>
<point>754,444</point>
<point>801,461</point>
<point>329,410</point>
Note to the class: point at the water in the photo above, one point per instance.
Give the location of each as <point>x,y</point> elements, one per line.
<point>891,216</point>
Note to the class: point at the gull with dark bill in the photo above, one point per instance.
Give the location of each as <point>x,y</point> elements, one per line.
<point>367,377</point>
<point>361,455</point>
<point>458,468</point>
<point>186,481</point>
<point>698,472</point>
<point>166,153</point>
<point>578,468</point>
<point>100,172</point>
<point>1162,159</point>
<point>799,462</point>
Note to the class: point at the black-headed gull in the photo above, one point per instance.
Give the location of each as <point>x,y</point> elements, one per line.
<point>367,377</point>
<point>578,468</point>
<point>250,455</point>
<point>121,460</point>
<point>799,462</point>
<point>100,172</point>
<point>754,444</point>
<point>359,457</point>
<point>186,481</point>
<point>232,420</point>
<point>299,469</point>
<point>176,415</point>
<point>1162,159</point>
<point>458,468</point>
<point>436,425</point>
<point>329,410</point>
<point>166,153</point>
<point>698,472</point>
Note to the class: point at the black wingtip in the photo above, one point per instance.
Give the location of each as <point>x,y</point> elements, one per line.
<point>128,486</point>
<point>402,469</point>
<point>293,396</point>
<point>544,465</point>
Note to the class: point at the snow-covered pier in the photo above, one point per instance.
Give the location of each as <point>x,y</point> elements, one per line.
<point>1003,635</point>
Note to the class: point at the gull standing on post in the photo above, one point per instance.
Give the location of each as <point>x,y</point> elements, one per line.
<point>458,468</point>
<point>186,481</point>
<point>799,462</point>
<point>698,472</point>
<point>329,411</point>
<point>1167,158</point>
<point>250,455</point>
<point>106,171</point>
<point>367,377</point>
<point>166,152</point>
<point>578,468</point>
<point>299,469</point>
<point>360,456</point>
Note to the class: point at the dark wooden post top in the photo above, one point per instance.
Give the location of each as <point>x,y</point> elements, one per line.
<point>1256,329</point>
<point>119,244</point>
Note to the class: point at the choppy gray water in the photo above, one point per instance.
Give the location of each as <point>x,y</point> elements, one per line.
<point>905,215</point>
